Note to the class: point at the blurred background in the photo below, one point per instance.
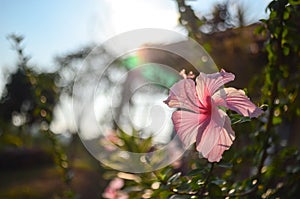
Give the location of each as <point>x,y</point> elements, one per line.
<point>43,45</point>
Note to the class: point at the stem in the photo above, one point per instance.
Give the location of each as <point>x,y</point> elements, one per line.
<point>274,95</point>
<point>268,129</point>
<point>202,191</point>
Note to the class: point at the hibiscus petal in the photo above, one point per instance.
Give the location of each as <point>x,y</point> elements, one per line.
<point>211,134</point>
<point>226,138</point>
<point>237,101</point>
<point>116,183</point>
<point>188,124</point>
<point>208,84</point>
<point>122,196</point>
<point>109,193</point>
<point>183,95</point>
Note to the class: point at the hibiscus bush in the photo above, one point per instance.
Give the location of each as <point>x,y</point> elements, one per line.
<point>234,147</point>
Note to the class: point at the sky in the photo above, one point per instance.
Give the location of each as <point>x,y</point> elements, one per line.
<point>53,27</point>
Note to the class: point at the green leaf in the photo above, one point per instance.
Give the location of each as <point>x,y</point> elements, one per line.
<point>215,191</point>
<point>226,165</point>
<point>164,173</point>
<point>286,15</point>
<point>179,197</point>
<point>285,32</point>
<point>159,193</point>
<point>236,119</point>
<point>294,2</point>
<point>298,112</point>
<point>164,194</point>
<point>218,181</point>
<point>184,187</point>
<point>286,51</point>
<point>196,172</point>
<point>174,177</point>
<point>277,120</point>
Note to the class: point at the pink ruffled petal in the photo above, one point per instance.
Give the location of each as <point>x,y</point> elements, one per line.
<point>208,84</point>
<point>122,196</point>
<point>116,183</point>
<point>109,193</point>
<point>183,95</point>
<point>189,125</point>
<point>211,134</point>
<point>226,139</point>
<point>237,101</point>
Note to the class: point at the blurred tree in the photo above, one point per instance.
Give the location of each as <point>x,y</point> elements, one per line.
<point>221,18</point>
<point>27,107</point>
<point>189,20</point>
<point>18,102</point>
<point>28,98</point>
<point>18,97</point>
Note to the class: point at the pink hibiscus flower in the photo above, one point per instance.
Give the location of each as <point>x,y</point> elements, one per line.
<point>113,190</point>
<point>199,118</point>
